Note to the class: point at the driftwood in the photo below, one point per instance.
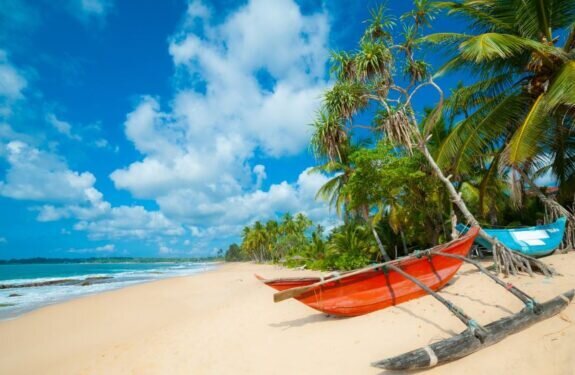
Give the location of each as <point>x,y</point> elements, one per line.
<point>467,342</point>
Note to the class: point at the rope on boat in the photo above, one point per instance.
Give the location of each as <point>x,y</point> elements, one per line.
<point>562,296</point>
<point>432,357</point>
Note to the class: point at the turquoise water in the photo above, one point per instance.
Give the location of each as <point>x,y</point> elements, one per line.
<point>41,271</point>
<point>18,295</point>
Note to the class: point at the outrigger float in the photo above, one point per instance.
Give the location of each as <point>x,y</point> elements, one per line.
<point>475,337</point>
<point>418,274</point>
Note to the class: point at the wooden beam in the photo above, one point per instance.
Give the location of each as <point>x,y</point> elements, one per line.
<point>457,311</point>
<point>524,297</point>
<point>467,343</point>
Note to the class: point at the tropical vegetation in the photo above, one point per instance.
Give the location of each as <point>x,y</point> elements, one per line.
<point>401,175</point>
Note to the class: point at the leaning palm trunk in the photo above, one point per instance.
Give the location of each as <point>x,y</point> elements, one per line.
<point>380,244</point>
<point>369,77</point>
<point>553,211</point>
<point>365,213</point>
<point>506,261</point>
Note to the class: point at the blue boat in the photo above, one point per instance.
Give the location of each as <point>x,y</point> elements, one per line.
<point>537,241</point>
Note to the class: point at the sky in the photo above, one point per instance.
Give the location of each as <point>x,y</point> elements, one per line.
<point>162,127</point>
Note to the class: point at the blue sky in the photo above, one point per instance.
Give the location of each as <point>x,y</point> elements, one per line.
<point>161,128</point>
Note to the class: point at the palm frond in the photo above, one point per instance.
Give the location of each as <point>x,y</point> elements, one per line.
<point>533,19</point>
<point>561,14</point>
<point>345,99</point>
<point>372,60</point>
<point>330,192</point>
<point>561,90</point>
<point>489,124</point>
<point>465,98</point>
<point>491,46</point>
<point>444,38</point>
<point>484,16</point>
<point>526,142</point>
<point>329,138</point>
<point>488,181</point>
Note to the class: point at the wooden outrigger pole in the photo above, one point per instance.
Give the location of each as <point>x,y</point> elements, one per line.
<point>472,324</point>
<point>475,337</point>
<point>524,297</point>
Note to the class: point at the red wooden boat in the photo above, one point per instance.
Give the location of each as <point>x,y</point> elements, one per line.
<point>375,287</point>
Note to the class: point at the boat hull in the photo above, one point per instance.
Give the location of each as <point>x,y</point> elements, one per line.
<point>380,288</point>
<point>537,241</point>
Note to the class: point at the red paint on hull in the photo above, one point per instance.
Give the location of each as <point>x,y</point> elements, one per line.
<point>375,289</point>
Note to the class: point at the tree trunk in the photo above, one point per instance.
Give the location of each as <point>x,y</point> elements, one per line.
<point>380,244</point>
<point>506,260</point>
<point>453,219</point>
<point>404,243</point>
<point>364,211</point>
<point>554,209</point>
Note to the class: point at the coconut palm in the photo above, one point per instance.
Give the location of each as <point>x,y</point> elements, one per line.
<point>522,105</point>
<point>367,81</point>
<point>255,242</point>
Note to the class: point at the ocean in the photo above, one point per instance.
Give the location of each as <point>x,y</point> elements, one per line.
<point>25,287</point>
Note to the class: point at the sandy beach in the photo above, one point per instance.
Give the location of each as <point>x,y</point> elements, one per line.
<point>224,321</point>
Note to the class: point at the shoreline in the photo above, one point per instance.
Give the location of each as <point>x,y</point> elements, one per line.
<point>223,321</point>
<point>21,295</point>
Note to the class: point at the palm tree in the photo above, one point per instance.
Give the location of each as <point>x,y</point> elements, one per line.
<point>367,80</point>
<point>521,110</point>
<point>255,242</point>
<point>272,233</point>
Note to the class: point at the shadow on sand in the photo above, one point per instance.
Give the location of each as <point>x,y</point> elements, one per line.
<point>481,302</point>
<point>424,319</point>
<point>315,318</point>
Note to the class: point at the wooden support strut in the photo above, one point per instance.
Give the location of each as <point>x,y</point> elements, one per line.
<point>524,297</point>
<point>472,324</point>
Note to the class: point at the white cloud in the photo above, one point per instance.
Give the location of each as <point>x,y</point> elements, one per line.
<point>11,81</point>
<point>12,84</point>
<point>86,10</point>
<point>62,127</point>
<point>130,222</point>
<point>101,143</point>
<point>245,91</point>
<point>227,217</point>
<point>36,175</point>
<point>109,248</point>
<point>41,176</point>
<point>260,172</point>
<point>95,6</point>
<point>196,9</point>
<point>165,250</point>
<point>245,87</point>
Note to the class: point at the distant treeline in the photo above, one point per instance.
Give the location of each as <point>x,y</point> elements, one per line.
<point>106,260</point>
